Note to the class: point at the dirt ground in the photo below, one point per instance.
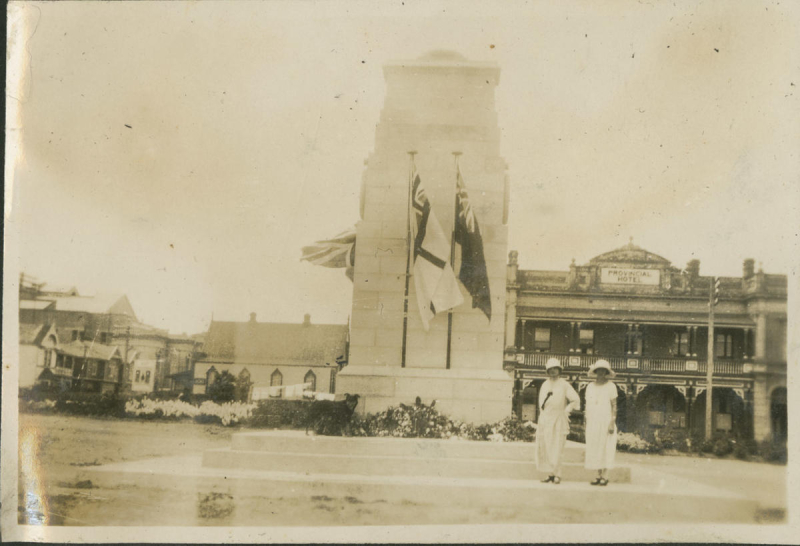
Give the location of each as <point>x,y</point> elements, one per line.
<point>55,489</point>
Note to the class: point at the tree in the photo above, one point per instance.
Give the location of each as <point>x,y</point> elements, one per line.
<point>223,389</point>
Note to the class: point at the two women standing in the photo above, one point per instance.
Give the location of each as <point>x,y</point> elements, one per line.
<point>557,399</point>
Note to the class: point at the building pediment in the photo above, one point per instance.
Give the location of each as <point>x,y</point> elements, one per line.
<point>631,254</point>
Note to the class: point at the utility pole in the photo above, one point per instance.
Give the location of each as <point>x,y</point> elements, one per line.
<point>713,300</point>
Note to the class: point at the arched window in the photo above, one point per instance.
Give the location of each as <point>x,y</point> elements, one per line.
<point>211,376</point>
<point>276,380</point>
<point>310,377</point>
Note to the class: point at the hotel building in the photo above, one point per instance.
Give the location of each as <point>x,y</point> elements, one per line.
<point>649,319</point>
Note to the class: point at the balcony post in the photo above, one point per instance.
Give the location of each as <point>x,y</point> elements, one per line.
<point>628,339</point>
<point>746,344</point>
<point>522,335</point>
<point>572,337</point>
<point>630,409</point>
<point>748,412</point>
<point>690,397</point>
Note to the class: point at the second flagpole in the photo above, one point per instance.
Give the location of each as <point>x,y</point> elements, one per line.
<point>408,255</point>
<point>452,264</point>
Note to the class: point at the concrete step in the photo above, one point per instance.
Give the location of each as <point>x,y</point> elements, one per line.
<point>395,465</point>
<point>298,442</point>
<point>662,499</point>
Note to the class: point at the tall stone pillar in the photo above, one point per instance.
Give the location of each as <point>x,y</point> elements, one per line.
<point>762,427</point>
<point>511,300</point>
<point>436,105</point>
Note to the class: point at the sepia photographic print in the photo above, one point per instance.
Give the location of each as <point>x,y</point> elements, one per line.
<point>401,271</point>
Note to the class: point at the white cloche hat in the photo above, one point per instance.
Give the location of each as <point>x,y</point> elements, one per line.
<point>553,363</point>
<point>601,364</point>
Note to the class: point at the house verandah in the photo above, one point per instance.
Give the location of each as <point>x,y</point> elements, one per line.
<point>661,371</point>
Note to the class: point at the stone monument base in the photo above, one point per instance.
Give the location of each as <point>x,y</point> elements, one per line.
<point>470,395</point>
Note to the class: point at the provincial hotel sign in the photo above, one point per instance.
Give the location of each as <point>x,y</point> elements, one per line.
<point>616,275</point>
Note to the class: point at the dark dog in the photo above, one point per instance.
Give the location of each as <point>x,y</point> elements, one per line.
<point>327,416</point>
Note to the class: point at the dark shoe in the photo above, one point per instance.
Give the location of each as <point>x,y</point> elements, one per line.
<point>596,481</point>
<point>556,480</point>
<point>548,479</point>
<point>603,481</point>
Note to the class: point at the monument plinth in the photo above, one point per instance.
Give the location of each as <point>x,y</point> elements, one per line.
<point>435,106</point>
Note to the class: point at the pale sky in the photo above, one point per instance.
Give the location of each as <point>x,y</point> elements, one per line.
<point>249,123</point>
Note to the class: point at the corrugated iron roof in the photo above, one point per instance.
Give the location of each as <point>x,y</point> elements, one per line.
<point>88,349</point>
<point>100,303</point>
<point>28,333</point>
<point>35,304</point>
<point>275,343</point>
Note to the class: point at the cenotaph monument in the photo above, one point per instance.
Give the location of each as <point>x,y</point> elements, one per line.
<point>441,107</point>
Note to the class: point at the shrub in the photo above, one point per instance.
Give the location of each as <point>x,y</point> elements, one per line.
<point>577,436</point>
<point>633,443</point>
<point>740,451</point>
<point>280,413</point>
<point>673,438</point>
<point>774,452</point>
<point>36,406</point>
<point>722,446</point>
<point>91,404</point>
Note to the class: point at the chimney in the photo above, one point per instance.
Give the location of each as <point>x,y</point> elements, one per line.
<point>748,268</point>
<point>306,319</point>
<point>252,317</point>
<point>693,268</point>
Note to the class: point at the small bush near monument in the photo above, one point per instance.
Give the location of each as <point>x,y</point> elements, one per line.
<point>280,414</point>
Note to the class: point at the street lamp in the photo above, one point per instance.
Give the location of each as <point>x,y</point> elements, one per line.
<point>713,300</point>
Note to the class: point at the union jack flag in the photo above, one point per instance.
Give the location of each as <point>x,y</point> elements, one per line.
<point>339,251</point>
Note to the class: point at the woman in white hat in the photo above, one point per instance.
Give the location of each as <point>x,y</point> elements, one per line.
<point>601,416</point>
<point>557,399</point>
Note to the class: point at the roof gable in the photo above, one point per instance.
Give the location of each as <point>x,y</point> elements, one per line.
<point>630,254</point>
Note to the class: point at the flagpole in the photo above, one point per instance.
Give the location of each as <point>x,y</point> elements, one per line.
<point>452,262</point>
<point>408,256</point>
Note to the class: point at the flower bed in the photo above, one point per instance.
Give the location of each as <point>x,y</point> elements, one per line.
<point>228,413</point>
<point>426,422</point>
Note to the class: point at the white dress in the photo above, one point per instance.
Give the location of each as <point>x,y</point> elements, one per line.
<point>553,427</point>
<point>600,445</point>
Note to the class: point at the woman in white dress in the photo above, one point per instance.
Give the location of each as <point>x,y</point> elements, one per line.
<point>601,417</point>
<point>557,399</point>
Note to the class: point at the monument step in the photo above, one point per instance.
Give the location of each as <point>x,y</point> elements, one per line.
<point>668,499</point>
<point>292,441</point>
<point>395,465</point>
